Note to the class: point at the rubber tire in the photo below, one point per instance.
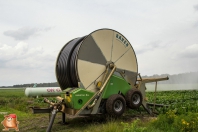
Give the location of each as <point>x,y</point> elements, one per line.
<point>129,100</point>
<point>111,102</point>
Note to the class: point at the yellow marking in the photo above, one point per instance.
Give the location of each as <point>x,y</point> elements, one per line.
<point>99,84</point>
<point>68,98</point>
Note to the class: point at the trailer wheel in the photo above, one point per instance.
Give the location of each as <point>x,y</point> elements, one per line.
<point>115,105</point>
<point>133,98</point>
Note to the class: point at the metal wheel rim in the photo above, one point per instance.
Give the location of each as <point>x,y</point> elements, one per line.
<point>118,106</point>
<point>136,99</point>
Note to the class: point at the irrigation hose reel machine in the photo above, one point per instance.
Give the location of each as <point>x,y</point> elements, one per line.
<point>95,69</point>
<point>98,74</point>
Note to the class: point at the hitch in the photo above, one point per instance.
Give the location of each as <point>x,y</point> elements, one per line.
<point>57,107</point>
<point>53,109</point>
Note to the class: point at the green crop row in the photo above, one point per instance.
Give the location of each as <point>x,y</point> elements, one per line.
<point>181,101</point>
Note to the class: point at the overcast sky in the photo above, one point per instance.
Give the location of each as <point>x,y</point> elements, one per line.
<point>164,34</point>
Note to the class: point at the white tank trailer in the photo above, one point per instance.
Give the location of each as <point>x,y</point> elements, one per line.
<point>43,91</point>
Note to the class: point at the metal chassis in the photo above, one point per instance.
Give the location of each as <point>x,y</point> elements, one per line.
<point>96,100</point>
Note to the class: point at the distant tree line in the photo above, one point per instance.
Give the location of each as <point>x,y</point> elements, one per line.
<point>191,77</point>
<point>52,84</point>
<point>182,78</point>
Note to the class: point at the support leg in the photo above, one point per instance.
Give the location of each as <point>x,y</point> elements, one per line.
<point>144,103</point>
<point>63,118</point>
<point>54,111</point>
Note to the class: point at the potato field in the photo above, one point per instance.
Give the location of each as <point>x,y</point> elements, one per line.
<point>180,101</point>
<point>180,113</point>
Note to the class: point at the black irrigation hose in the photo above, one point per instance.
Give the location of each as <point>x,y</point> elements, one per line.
<point>66,72</point>
<point>73,66</point>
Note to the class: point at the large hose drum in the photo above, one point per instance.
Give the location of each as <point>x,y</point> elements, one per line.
<point>84,59</point>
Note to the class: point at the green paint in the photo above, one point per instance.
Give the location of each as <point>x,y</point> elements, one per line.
<point>76,98</point>
<point>115,85</point>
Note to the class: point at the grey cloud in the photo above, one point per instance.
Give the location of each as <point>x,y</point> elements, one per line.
<point>148,47</point>
<point>21,56</point>
<point>24,33</point>
<point>196,24</point>
<point>47,28</point>
<point>189,52</point>
<point>188,55</point>
<point>196,7</point>
<point>2,63</point>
